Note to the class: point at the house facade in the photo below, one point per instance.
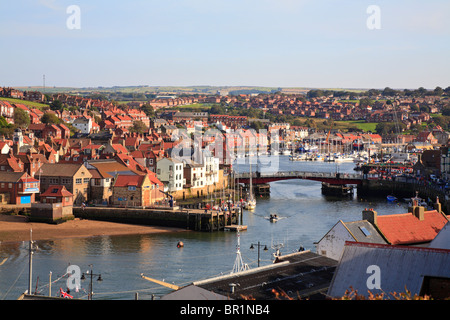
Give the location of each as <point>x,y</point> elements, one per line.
<point>170,172</point>
<point>75,177</point>
<point>195,175</point>
<point>332,243</point>
<point>83,124</point>
<point>103,173</point>
<point>17,188</point>
<point>131,190</point>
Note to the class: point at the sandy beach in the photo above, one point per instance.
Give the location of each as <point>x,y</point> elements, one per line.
<point>17,228</point>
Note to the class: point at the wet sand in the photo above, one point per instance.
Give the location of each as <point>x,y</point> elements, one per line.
<point>17,228</point>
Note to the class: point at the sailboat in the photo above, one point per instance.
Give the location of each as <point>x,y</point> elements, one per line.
<point>250,204</point>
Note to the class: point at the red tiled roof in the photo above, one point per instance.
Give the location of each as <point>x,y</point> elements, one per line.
<point>123,180</point>
<point>406,228</point>
<point>56,191</point>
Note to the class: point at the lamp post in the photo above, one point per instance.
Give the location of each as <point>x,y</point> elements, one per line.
<point>259,245</point>
<point>83,277</point>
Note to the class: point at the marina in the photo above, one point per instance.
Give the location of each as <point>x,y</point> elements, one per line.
<point>304,216</point>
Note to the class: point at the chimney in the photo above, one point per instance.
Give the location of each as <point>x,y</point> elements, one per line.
<point>419,212</point>
<point>415,203</point>
<point>437,205</point>
<point>370,215</point>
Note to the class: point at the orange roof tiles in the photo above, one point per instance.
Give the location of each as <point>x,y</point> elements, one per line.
<point>407,228</point>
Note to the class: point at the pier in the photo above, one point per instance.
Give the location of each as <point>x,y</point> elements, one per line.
<point>190,219</point>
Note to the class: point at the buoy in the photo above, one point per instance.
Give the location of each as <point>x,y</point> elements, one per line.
<point>180,244</point>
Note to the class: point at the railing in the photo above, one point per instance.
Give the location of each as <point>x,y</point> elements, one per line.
<point>300,175</point>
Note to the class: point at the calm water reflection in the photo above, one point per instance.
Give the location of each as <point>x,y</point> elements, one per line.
<point>305,214</point>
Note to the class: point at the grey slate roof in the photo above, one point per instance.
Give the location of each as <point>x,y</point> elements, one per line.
<point>357,228</point>
<point>300,275</point>
<point>399,267</point>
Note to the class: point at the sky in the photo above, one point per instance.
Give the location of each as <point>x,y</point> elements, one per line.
<point>271,43</point>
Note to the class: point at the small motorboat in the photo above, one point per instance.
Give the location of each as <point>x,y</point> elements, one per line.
<point>391,198</point>
<point>273,218</point>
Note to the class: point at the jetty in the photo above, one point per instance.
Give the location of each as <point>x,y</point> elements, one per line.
<point>191,219</point>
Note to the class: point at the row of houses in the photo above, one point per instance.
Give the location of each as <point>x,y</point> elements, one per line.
<point>90,171</point>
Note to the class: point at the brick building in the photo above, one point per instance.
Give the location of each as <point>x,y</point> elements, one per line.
<point>17,188</point>
<point>136,190</point>
<point>75,177</point>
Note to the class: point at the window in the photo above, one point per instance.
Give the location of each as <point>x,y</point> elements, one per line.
<point>86,180</point>
<point>78,181</point>
<point>365,231</point>
<point>131,188</point>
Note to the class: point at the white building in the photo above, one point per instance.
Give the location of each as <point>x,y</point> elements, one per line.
<point>195,175</point>
<point>211,169</point>
<point>83,124</point>
<point>170,172</point>
<point>332,243</point>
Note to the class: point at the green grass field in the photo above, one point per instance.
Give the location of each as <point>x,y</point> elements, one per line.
<point>359,124</point>
<point>25,102</point>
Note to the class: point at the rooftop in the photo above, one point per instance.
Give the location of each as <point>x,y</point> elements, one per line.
<point>303,274</point>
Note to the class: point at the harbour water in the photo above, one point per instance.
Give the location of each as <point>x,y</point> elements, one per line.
<point>305,216</point>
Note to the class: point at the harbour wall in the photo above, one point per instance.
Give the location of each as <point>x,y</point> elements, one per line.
<point>191,219</point>
<point>404,189</point>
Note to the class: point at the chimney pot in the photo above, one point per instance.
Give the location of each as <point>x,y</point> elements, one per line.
<point>370,215</point>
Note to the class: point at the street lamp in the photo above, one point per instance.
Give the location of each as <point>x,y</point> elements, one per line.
<point>83,277</point>
<point>259,245</point>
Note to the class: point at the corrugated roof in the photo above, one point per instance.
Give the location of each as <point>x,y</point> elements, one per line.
<point>399,267</point>
<point>442,240</point>
<point>192,292</point>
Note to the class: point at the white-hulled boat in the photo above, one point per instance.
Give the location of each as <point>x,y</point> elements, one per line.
<point>250,204</point>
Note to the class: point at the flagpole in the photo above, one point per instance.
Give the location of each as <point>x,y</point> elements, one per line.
<point>30,262</point>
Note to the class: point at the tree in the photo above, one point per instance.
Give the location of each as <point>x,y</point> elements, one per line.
<point>138,127</point>
<point>50,118</point>
<point>56,105</point>
<point>148,110</point>
<point>446,110</point>
<point>21,118</point>
<point>438,91</point>
<point>389,128</point>
<point>364,102</point>
<point>447,91</point>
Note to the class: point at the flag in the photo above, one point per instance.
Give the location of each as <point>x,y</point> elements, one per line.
<point>64,294</point>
